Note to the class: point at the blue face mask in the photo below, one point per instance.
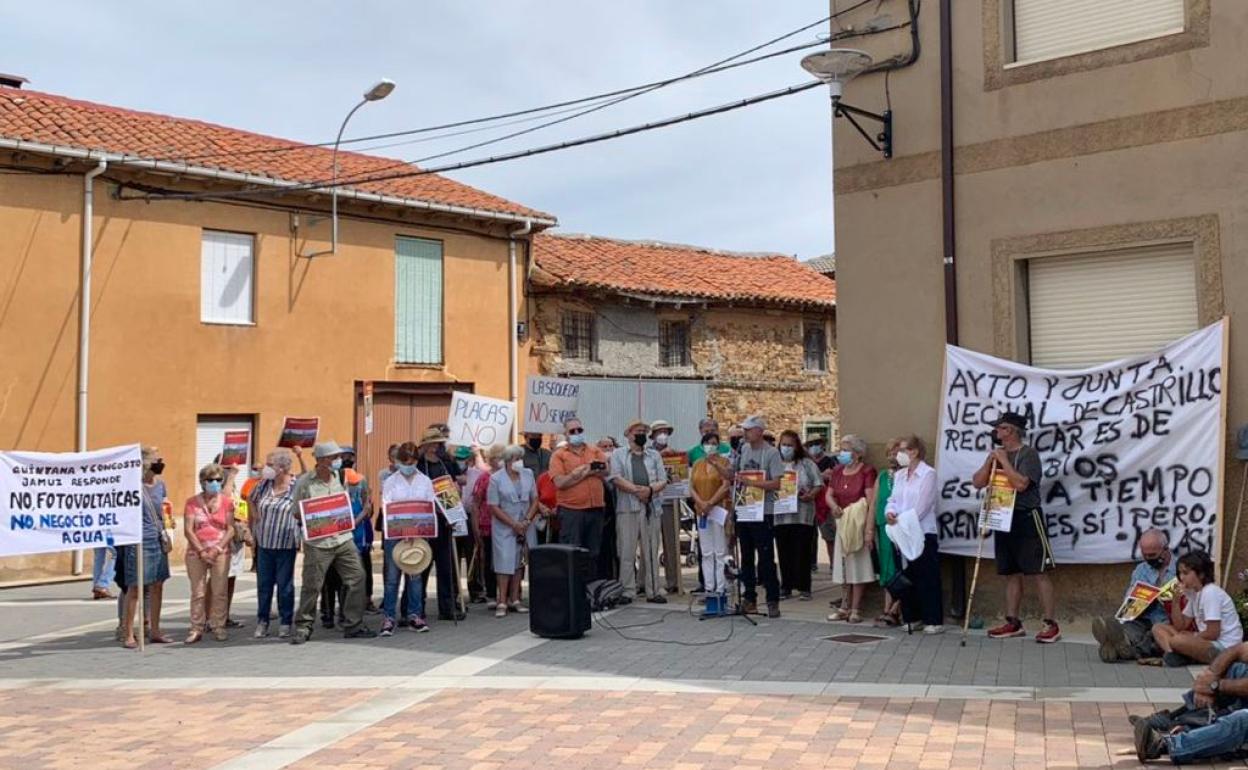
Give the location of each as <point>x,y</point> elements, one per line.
<point>844,458</point>
<point>212,487</point>
<point>786,452</point>
<point>407,470</point>
<point>336,464</point>
<point>816,450</point>
<point>576,439</point>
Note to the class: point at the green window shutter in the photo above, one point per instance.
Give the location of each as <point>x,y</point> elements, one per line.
<point>417,301</point>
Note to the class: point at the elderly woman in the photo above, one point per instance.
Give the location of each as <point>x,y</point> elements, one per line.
<point>850,485</point>
<point>709,487</point>
<point>877,532</point>
<point>794,530</point>
<point>277,536</point>
<point>209,522</point>
<point>914,494</point>
<point>151,551</point>
<point>512,498</point>
<point>406,484</point>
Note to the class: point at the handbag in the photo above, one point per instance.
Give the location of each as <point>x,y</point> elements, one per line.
<point>149,507</point>
<point>900,586</point>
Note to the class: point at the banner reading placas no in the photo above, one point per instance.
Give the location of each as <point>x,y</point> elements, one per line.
<point>480,420</point>
<point>66,501</point>
<point>1125,446</point>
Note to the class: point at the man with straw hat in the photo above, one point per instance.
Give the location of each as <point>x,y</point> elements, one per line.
<point>638,476</point>
<point>430,462</point>
<point>336,551</point>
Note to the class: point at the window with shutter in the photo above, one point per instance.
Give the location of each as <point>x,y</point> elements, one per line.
<point>417,301</point>
<point>815,346</point>
<point>227,268</point>
<point>1088,309</point>
<point>1050,29</point>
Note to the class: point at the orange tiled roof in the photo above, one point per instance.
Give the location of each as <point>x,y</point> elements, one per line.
<point>677,271</point>
<point>56,120</point>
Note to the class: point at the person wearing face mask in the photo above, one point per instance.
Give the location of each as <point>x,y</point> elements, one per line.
<point>336,551</point>
<point>877,532</point>
<point>660,441</point>
<point>709,488</point>
<point>151,550</point>
<point>277,535</point>
<point>208,520</point>
<point>795,530</point>
<point>825,463</point>
<point>638,476</point>
<point>914,494</point>
<point>1133,639</point>
<point>512,501</point>
<point>847,498</point>
<point>736,435</point>
<point>757,538</point>
<point>536,458</point>
<point>406,483</point>
<point>578,471</point>
<point>705,425</point>
<point>430,461</point>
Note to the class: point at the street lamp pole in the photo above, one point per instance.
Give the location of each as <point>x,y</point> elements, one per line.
<point>378,92</point>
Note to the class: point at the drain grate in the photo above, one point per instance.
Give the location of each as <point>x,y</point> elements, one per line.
<point>855,638</point>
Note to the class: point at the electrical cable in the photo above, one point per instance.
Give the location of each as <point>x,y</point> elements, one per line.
<point>601,619</point>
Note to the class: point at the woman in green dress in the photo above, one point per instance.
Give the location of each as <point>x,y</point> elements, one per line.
<point>878,533</point>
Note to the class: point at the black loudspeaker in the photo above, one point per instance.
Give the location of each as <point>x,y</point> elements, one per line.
<point>558,606</point>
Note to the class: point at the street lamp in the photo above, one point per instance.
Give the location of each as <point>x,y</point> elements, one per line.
<point>379,91</point>
<point>838,66</point>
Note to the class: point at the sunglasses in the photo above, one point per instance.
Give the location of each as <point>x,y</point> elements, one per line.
<point>576,431</point>
<point>214,478</point>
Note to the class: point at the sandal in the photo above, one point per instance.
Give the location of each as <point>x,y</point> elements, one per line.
<point>194,637</point>
<point>839,616</point>
<point>130,644</point>
<point>854,617</point>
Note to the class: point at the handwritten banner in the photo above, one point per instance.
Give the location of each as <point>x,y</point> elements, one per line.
<point>1125,446</point>
<point>548,402</point>
<point>409,518</point>
<point>65,501</point>
<point>480,420</point>
<point>326,516</point>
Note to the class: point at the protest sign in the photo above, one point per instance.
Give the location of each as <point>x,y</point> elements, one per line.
<point>1124,446</point>
<point>548,402</point>
<point>451,503</point>
<point>1138,599</point>
<point>998,513</point>
<point>480,420</point>
<point>326,516</point>
<point>750,502</point>
<point>409,518</point>
<point>237,445</point>
<point>786,498</point>
<point>66,501</point>
<point>299,432</point>
<point>676,464</point>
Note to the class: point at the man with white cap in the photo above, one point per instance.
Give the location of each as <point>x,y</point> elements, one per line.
<point>660,441</point>
<point>758,537</point>
<point>638,476</point>
<point>335,551</point>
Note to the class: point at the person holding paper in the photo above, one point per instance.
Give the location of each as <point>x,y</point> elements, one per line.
<point>512,501</point>
<point>914,496</point>
<point>638,475</point>
<point>1132,639</point>
<point>757,538</point>
<point>1209,623</point>
<point>709,487</point>
<point>578,470</point>
<point>433,462</point>
<point>847,494</point>
<point>335,551</point>
<point>794,531</point>
<point>407,483</point>
<point>276,531</point>
<point>1024,550</point>
<point>208,521</point>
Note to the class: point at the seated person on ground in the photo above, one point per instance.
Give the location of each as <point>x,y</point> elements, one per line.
<point>1212,722</point>
<point>1207,625</point>
<point>1133,639</point>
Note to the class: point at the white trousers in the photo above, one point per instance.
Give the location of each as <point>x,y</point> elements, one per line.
<point>714,542</point>
<point>631,530</point>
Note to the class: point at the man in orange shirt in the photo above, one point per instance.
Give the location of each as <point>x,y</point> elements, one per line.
<point>578,470</point>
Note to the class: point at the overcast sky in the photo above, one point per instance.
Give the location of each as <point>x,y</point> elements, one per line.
<point>751,180</point>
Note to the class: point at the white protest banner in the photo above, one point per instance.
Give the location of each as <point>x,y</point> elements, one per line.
<point>480,420</point>
<point>1124,446</point>
<point>549,401</point>
<point>66,501</point>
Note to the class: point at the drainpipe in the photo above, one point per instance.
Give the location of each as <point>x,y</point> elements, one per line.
<point>513,307</point>
<point>84,315</point>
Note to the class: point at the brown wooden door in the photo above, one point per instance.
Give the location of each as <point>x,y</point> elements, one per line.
<point>401,412</point>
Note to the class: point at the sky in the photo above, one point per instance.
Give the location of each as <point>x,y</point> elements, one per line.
<point>756,179</point>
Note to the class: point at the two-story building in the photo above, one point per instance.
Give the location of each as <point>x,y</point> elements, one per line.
<point>656,330</point>
<point>214,298</point>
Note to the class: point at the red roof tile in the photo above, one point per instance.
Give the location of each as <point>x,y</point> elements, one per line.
<point>677,271</point>
<point>50,119</point>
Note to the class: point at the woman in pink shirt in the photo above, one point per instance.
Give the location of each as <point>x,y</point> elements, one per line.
<point>209,527</point>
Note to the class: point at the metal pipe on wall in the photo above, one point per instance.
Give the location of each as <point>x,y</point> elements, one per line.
<point>513,307</point>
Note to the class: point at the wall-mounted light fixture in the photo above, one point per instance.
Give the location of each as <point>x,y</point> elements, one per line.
<point>836,67</point>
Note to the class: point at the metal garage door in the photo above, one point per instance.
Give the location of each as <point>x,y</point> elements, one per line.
<point>607,405</point>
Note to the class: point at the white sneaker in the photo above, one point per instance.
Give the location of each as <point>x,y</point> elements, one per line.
<point>262,630</point>
<point>914,628</point>
<point>933,630</point>
<point>283,632</point>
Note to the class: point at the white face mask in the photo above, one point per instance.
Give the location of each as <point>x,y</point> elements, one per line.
<point>517,465</point>
<point>903,459</point>
<point>661,439</point>
<point>269,472</point>
<point>710,449</point>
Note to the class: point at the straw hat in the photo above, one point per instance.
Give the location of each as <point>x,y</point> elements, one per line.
<point>413,555</point>
<point>432,436</point>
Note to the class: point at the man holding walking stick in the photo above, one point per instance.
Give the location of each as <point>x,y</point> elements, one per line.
<point>1024,550</point>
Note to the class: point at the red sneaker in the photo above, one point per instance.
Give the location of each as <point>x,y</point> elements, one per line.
<point>1051,633</point>
<point>1010,628</point>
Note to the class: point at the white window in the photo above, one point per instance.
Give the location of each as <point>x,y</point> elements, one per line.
<point>1090,309</point>
<point>210,433</point>
<point>226,272</point>
<point>1050,29</point>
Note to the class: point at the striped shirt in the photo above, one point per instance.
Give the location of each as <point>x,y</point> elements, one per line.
<point>274,523</point>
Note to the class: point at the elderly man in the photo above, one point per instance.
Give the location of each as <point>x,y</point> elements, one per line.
<point>1133,639</point>
<point>638,476</point>
<point>1024,550</point>
<point>1220,692</point>
<point>333,552</point>
<point>578,470</point>
<point>757,538</point>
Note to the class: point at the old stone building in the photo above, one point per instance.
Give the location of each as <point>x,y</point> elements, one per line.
<point>665,331</point>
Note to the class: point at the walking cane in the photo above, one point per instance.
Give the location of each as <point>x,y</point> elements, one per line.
<point>1230,554</point>
<point>983,535</point>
